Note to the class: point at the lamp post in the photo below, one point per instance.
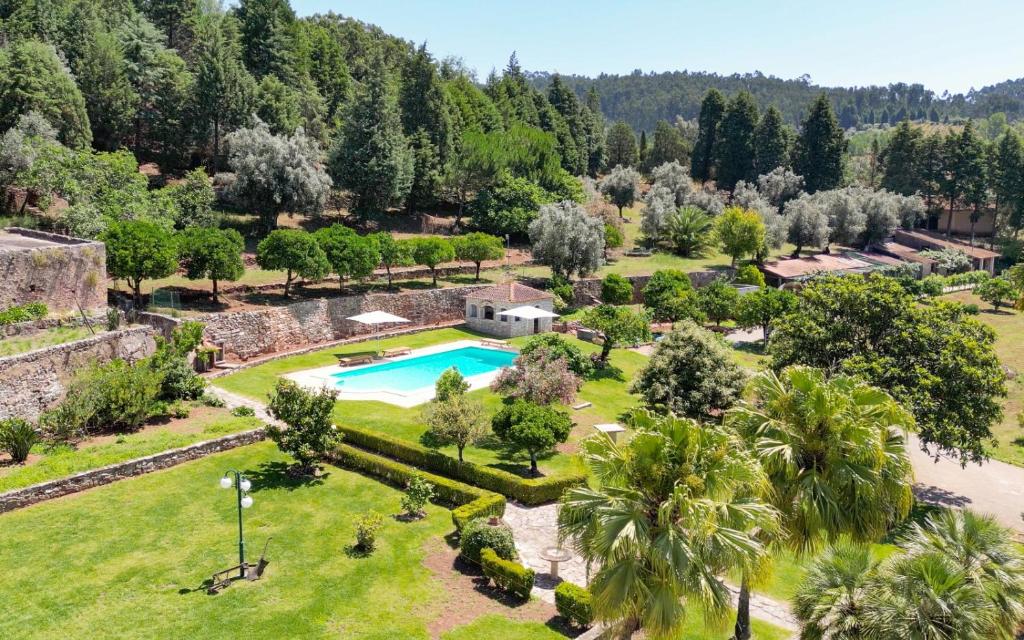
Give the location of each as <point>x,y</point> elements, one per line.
<point>242,486</point>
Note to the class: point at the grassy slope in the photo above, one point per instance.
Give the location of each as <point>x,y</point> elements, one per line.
<point>65,461</point>
<point>128,560</point>
<point>609,395</point>
<point>48,338</point>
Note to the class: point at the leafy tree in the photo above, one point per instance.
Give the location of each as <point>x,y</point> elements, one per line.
<point>508,206</point>
<point>997,292</point>
<point>712,109</point>
<point>393,253</point>
<point>621,186</point>
<point>735,152</point>
<point>618,326</point>
<point>771,142</point>
<point>194,198</point>
<point>274,174</point>
<point>349,254</point>
<point>718,300</point>
<point>740,231</point>
<point>371,157</point>
<point>669,146</point>
<point>430,252</point>
<point>139,250</point>
<point>818,155</point>
<point>690,373</point>
<point>450,384</point>
<point>33,78</point>
<point>577,361</point>
<point>566,239</point>
<point>620,146</point>
<point>937,360</point>
<point>669,296</point>
<point>650,488</point>
<point>763,308</point>
<point>211,253</point>
<point>835,453</point>
<point>524,426</point>
<point>616,290</point>
<point>674,177</point>
<point>541,376</point>
<point>310,434</point>
<point>295,252</point>
<point>454,420</point>
<point>476,247</point>
<point>690,231</point>
<point>808,223</point>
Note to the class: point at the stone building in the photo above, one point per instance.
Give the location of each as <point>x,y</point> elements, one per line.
<point>63,273</point>
<point>484,310</point>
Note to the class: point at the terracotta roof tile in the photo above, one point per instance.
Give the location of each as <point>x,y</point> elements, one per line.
<point>511,292</point>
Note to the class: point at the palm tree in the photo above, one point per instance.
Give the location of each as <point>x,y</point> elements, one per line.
<point>689,230</point>
<point>835,454</point>
<point>674,508</point>
<point>830,603</point>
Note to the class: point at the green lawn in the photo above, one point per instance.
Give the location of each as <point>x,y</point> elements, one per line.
<point>130,559</point>
<point>1009,327</point>
<point>608,392</point>
<point>47,338</point>
<point>47,464</point>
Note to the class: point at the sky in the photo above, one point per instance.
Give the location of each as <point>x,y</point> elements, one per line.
<point>943,44</point>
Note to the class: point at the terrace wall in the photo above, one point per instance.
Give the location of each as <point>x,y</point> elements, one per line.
<point>33,382</point>
<point>64,274</point>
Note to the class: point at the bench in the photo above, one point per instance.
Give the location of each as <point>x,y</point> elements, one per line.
<point>350,361</point>
<point>397,351</point>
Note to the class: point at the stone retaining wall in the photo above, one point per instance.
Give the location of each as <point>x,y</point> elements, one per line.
<point>98,322</point>
<point>63,274</point>
<point>19,498</point>
<point>33,382</point>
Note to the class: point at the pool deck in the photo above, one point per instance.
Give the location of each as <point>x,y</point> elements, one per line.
<point>322,377</point>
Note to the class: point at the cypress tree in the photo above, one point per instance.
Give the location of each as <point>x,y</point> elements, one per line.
<point>818,155</point>
<point>1008,178</point>
<point>596,146</point>
<point>424,104</point>
<point>735,152</point>
<point>668,146</point>
<point>564,101</point>
<point>643,147</point>
<point>621,146</point>
<point>224,89</point>
<point>711,109</point>
<point>771,142</point>
<point>901,161</point>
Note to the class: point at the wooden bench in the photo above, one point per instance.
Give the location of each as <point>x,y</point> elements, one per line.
<point>397,351</point>
<point>350,361</point>
<point>496,344</point>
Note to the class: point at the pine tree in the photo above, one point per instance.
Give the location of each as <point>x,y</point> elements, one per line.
<point>621,146</point>
<point>735,149</point>
<point>425,105</point>
<point>110,99</point>
<point>711,110</point>
<point>771,142</point>
<point>818,156</point>
<point>266,39</point>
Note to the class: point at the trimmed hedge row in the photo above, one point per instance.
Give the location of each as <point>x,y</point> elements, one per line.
<point>528,491</point>
<point>468,500</point>
<point>573,603</point>
<point>508,575</point>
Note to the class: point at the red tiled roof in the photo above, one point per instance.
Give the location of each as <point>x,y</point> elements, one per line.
<point>935,242</point>
<point>511,292</point>
<point>796,267</point>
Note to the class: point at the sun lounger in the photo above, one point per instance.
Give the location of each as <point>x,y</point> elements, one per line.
<point>351,361</point>
<point>397,351</point>
<point>496,344</point>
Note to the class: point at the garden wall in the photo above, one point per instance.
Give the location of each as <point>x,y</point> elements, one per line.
<point>59,271</point>
<point>19,498</point>
<point>35,381</point>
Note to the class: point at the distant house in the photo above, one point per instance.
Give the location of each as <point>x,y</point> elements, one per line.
<point>981,259</point>
<point>789,270</point>
<point>484,310</point>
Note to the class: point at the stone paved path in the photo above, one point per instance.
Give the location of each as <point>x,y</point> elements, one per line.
<point>536,528</point>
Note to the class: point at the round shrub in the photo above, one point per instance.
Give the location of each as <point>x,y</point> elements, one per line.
<point>579,362</point>
<point>616,290</point>
<point>480,534</point>
<point>750,274</point>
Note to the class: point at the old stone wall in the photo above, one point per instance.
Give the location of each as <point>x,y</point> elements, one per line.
<point>19,498</point>
<point>33,382</point>
<point>61,272</point>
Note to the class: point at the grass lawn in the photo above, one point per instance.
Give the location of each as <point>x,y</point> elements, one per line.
<point>130,559</point>
<point>608,392</point>
<point>1009,327</point>
<point>47,338</point>
<point>205,423</point>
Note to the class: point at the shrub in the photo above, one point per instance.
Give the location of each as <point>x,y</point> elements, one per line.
<point>573,603</point>
<point>612,236</point>
<point>418,492</point>
<point>492,504</point>
<point>996,292</point>
<point>310,434</point>
<point>971,309</point>
<point>180,381</point>
<point>243,411</point>
<point>510,576</point>
<point>932,285</point>
<point>750,274</point>
<point>579,362</point>
<point>23,313</point>
<point>562,289</point>
<point>530,491</point>
<point>480,534</point>
<point>113,319</point>
<point>17,438</point>
<point>179,409</point>
<point>367,526</point>
<point>616,290</point>
<point>540,377</point>
<point>117,396</point>
<point>210,400</point>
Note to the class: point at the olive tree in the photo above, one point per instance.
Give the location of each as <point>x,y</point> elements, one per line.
<point>808,224</point>
<point>621,186</point>
<point>674,177</point>
<point>566,239</point>
<point>659,205</point>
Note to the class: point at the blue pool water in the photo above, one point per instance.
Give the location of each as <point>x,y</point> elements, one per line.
<point>422,371</point>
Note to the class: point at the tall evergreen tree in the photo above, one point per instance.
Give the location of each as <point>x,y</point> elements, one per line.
<point>734,152</point>
<point>963,167</point>
<point>901,161</point>
<point>110,100</point>
<point>513,95</point>
<point>642,155</point>
<point>669,145</point>
<point>931,168</point>
<point>564,101</point>
<point>265,26</point>
<point>1008,179</point>
<point>174,18</point>
<point>621,146</point>
<point>426,166</point>
<point>771,142</point>
<point>818,155</point>
<point>711,110</point>
<point>424,103</point>
<point>596,145</point>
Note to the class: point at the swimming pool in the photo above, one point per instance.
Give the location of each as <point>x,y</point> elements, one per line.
<point>421,372</point>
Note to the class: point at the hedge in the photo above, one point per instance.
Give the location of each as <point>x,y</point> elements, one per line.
<point>573,603</point>
<point>470,502</point>
<point>528,491</point>
<point>508,575</point>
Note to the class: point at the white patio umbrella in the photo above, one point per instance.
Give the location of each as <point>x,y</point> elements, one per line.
<point>375,318</point>
<point>529,313</point>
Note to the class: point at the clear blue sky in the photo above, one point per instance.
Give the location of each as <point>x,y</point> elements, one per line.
<point>943,44</point>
